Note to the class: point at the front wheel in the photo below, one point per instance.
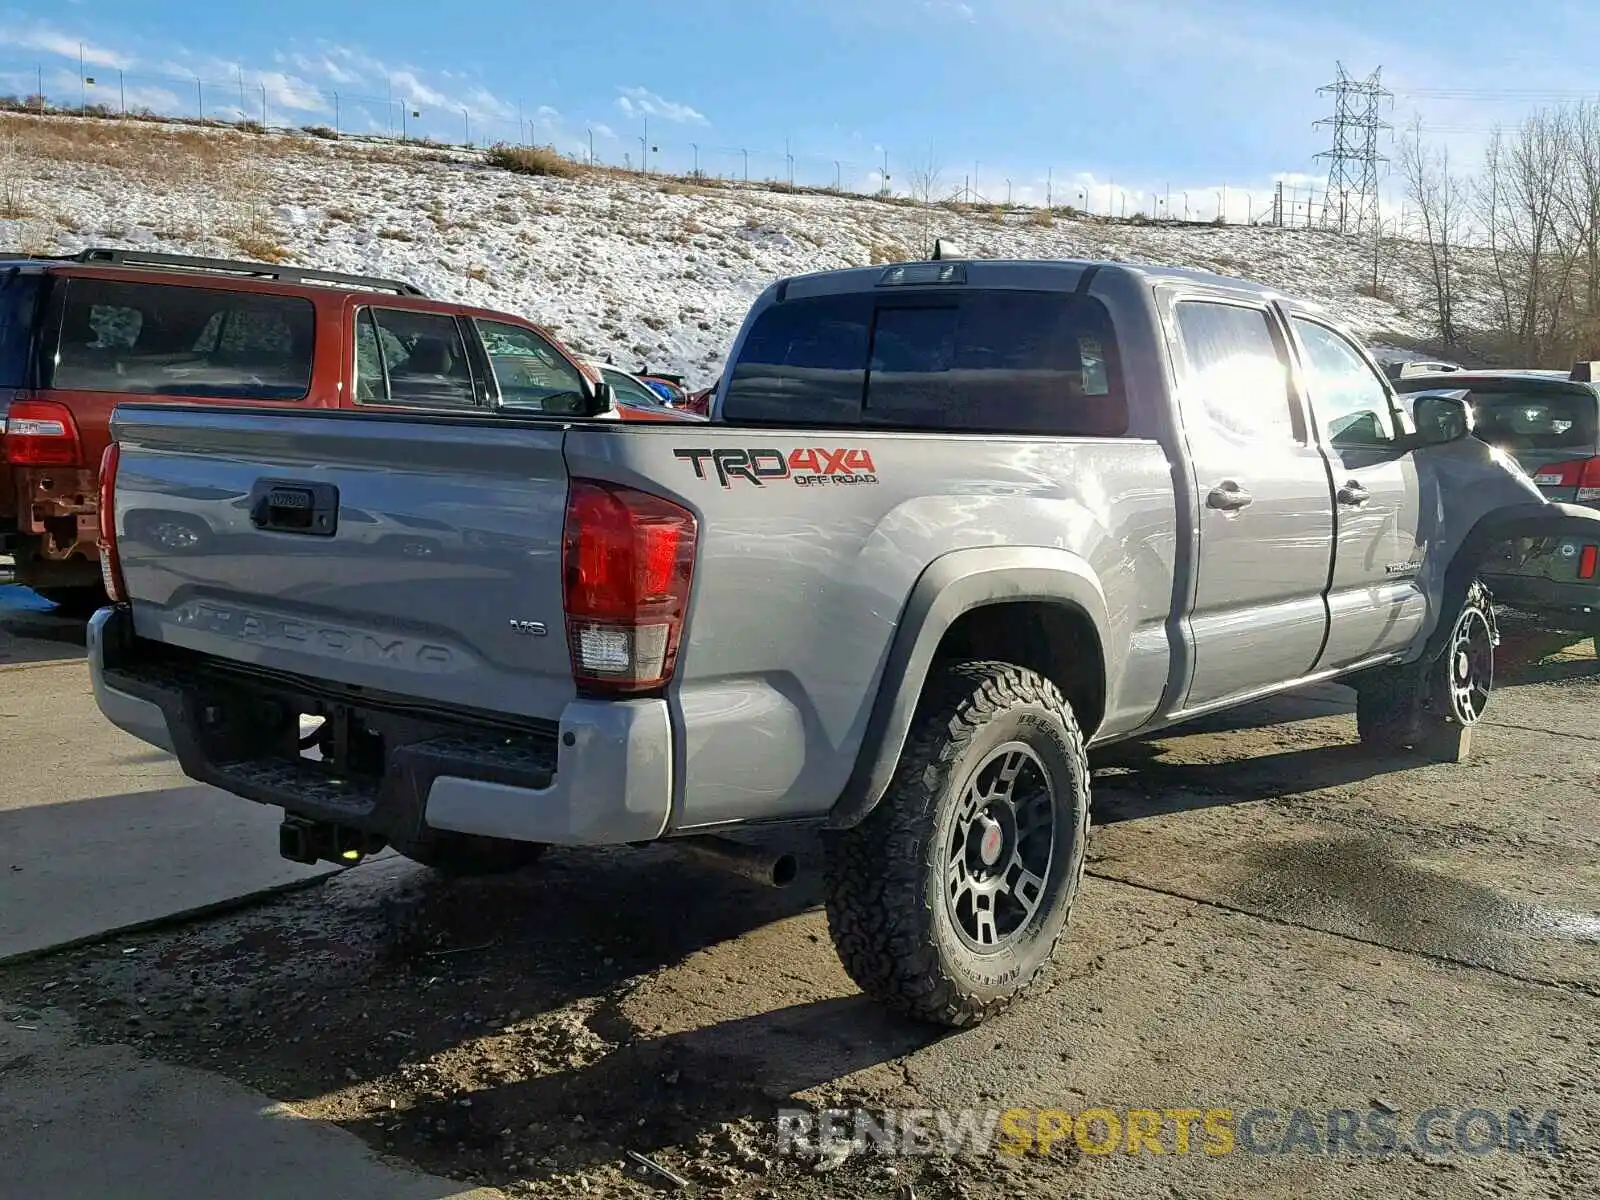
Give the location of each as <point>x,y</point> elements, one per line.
<point>948,900</point>
<point>1401,708</point>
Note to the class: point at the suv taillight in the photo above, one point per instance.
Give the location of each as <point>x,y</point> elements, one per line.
<point>41,434</point>
<point>110,562</point>
<point>627,560</point>
<point>1581,473</point>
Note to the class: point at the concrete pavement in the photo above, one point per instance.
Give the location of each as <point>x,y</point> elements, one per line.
<point>158,1131</point>
<point>98,831</point>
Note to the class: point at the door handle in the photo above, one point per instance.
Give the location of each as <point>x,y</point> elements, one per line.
<point>1229,497</point>
<point>1353,494</point>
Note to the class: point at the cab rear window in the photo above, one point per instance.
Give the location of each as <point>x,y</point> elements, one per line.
<point>171,340</point>
<point>980,361</point>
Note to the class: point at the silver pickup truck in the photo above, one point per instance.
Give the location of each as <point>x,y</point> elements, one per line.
<point>954,522</point>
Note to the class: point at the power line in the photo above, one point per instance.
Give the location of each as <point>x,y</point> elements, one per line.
<point>1350,203</point>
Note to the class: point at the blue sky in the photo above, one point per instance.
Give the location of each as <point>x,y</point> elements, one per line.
<point>1103,95</point>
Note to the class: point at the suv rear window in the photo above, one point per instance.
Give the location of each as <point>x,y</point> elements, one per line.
<point>18,293</point>
<point>978,361</point>
<point>1534,418</point>
<point>172,340</point>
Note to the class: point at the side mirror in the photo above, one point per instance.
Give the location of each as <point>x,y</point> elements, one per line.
<point>1442,418</point>
<point>605,399</point>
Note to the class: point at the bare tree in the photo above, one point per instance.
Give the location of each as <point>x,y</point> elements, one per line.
<point>924,184</point>
<point>925,177</point>
<point>1441,201</point>
<point>1580,203</point>
<point>1534,247</point>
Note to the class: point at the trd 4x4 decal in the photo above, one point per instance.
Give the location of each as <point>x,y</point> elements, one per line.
<point>817,467</point>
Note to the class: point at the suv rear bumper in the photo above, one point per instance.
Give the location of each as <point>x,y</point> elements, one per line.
<point>1574,605</point>
<point>604,777</point>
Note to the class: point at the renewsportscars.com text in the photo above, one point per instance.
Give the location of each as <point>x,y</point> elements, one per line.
<point>1370,1132</point>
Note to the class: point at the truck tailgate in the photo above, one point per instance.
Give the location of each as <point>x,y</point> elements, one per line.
<point>409,555</point>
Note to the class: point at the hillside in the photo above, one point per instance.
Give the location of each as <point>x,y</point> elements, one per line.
<point>645,270</point>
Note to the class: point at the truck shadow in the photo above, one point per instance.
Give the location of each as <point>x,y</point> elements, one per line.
<point>28,636</point>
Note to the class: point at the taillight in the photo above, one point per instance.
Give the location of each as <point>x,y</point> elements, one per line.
<point>1586,561</point>
<point>42,434</point>
<point>1581,473</point>
<point>110,562</point>
<point>627,560</point>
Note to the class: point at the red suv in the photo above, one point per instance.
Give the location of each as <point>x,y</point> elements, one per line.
<point>80,335</point>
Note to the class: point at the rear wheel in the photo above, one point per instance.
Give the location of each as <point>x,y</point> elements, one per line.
<point>948,900</point>
<point>1400,708</point>
<point>465,855</point>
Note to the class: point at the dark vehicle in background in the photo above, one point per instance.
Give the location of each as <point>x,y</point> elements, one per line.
<point>83,333</point>
<point>1549,422</point>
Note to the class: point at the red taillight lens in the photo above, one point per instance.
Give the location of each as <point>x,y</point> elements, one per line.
<point>1581,473</point>
<point>1586,561</point>
<point>42,434</point>
<point>627,561</point>
<point>110,563</point>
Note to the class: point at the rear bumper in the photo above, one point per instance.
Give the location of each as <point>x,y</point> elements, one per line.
<point>1574,605</point>
<point>603,776</point>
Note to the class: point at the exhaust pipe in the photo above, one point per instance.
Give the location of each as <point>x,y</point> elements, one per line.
<point>747,862</point>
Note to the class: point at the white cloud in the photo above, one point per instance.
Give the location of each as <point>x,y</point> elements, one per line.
<point>602,130</point>
<point>289,92</point>
<point>641,102</point>
<point>52,41</point>
<point>323,67</point>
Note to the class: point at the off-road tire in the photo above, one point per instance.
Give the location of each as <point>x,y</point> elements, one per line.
<point>466,856</point>
<point>888,914</point>
<point>1402,708</point>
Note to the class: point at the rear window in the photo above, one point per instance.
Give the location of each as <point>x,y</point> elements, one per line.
<point>170,340</point>
<point>979,361</point>
<point>18,293</point>
<point>1535,419</point>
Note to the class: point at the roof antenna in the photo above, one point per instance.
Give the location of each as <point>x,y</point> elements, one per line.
<point>944,248</point>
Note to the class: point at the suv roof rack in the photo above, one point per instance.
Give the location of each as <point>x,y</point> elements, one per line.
<point>226,266</point>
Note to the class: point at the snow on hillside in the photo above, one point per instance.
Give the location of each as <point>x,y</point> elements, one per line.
<point>647,271</point>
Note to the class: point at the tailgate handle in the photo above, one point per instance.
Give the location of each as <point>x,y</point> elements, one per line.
<point>290,506</point>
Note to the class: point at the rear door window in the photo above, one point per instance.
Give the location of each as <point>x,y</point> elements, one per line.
<point>173,340</point>
<point>983,361</point>
<point>413,359</point>
<point>1237,377</point>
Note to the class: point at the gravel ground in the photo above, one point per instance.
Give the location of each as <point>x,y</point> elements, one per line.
<point>1271,918</point>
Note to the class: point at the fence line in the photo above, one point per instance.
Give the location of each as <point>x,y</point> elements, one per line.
<point>276,102</point>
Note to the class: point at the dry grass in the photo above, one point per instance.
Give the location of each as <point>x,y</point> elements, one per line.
<point>887,252</point>
<point>397,235</point>
<point>339,213</point>
<point>531,160</point>
<point>1042,218</point>
<point>258,248</point>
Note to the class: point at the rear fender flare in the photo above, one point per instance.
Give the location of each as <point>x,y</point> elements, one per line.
<point>949,587</point>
